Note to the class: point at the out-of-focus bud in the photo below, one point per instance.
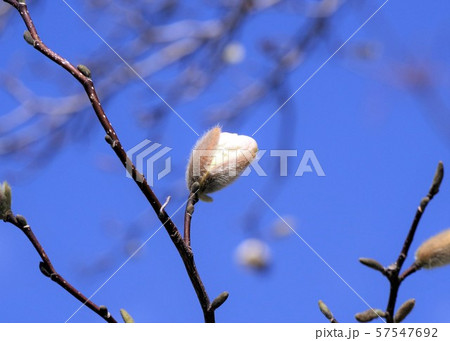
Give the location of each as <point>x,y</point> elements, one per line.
<point>253,253</point>
<point>435,251</point>
<point>217,160</point>
<point>233,53</point>
<point>280,229</point>
<point>5,199</point>
<point>323,8</point>
<point>126,317</point>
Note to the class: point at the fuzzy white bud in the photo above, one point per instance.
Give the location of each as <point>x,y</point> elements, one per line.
<point>218,159</point>
<point>435,251</point>
<point>5,199</point>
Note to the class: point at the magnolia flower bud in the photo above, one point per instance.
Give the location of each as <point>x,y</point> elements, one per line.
<point>435,251</point>
<point>217,160</point>
<point>5,199</point>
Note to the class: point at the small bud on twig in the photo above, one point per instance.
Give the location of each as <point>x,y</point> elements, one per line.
<point>424,202</point>
<point>104,311</point>
<point>369,315</point>
<point>435,251</point>
<point>219,300</point>
<point>44,269</point>
<point>404,310</point>
<point>84,70</point>
<point>28,38</point>
<point>126,317</point>
<point>21,220</point>
<point>372,263</point>
<point>325,311</point>
<point>109,139</point>
<point>195,187</point>
<point>437,180</point>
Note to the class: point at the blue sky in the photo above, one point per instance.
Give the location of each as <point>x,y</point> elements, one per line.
<point>377,139</point>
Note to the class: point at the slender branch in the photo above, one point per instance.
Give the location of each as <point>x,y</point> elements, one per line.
<point>84,79</point>
<point>393,271</point>
<point>412,231</point>
<point>413,268</point>
<point>48,270</point>
<point>193,199</point>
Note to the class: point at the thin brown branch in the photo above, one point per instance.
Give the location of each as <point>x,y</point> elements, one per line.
<point>193,199</point>
<point>112,138</point>
<point>48,270</point>
<point>413,268</point>
<point>393,271</point>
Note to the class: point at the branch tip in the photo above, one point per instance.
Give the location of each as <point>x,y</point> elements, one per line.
<point>437,180</point>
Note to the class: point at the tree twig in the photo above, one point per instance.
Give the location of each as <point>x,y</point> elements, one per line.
<point>393,271</point>
<point>112,138</point>
<point>193,199</point>
<point>48,270</point>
